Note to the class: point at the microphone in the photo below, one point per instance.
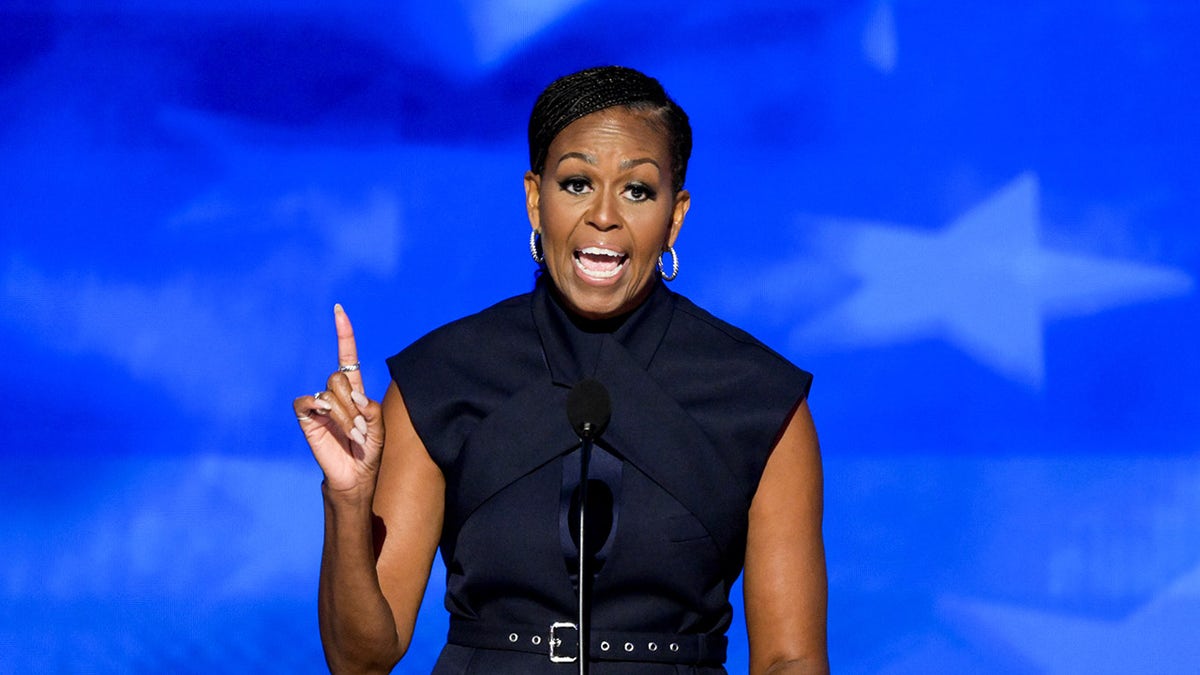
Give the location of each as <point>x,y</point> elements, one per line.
<point>589,410</point>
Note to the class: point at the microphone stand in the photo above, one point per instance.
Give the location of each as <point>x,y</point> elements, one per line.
<point>589,410</point>
<point>585,452</point>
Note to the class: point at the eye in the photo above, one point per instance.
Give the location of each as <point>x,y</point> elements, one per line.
<point>575,185</point>
<point>639,192</point>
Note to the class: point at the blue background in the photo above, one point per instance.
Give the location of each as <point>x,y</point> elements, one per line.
<point>973,221</point>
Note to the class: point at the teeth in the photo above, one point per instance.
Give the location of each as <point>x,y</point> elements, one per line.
<point>599,263</point>
<point>596,250</point>
<point>598,274</point>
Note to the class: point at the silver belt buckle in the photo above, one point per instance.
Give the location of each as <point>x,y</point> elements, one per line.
<point>556,642</point>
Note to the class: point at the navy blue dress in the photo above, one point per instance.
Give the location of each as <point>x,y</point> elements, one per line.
<point>697,405</point>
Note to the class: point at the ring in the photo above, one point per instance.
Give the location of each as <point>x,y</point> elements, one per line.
<point>318,394</point>
<point>303,418</point>
<point>349,369</point>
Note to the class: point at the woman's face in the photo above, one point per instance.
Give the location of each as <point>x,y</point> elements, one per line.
<point>605,209</point>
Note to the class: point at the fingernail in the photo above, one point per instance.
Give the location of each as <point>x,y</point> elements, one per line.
<point>358,437</point>
<point>358,398</point>
<point>323,405</point>
<point>360,424</point>
<point>337,307</point>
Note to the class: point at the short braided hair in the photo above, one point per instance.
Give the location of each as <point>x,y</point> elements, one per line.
<point>587,91</point>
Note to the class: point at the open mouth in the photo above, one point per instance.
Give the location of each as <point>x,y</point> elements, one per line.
<point>599,263</point>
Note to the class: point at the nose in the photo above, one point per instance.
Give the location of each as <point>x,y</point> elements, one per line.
<point>605,214</point>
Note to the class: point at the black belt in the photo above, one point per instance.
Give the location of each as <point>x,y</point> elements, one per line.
<point>559,642</point>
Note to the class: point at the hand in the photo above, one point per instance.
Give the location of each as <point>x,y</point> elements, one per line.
<point>343,427</point>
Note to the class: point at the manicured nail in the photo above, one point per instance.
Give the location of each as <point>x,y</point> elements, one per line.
<point>360,424</point>
<point>323,405</point>
<point>337,307</point>
<point>358,398</point>
<point>358,437</point>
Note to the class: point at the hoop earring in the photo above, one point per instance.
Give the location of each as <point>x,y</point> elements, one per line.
<point>535,247</point>
<point>674,265</point>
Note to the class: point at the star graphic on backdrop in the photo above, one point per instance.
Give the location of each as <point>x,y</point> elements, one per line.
<point>879,44</point>
<point>499,26</point>
<point>1158,637</point>
<point>250,315</point>
<point>985,284</point>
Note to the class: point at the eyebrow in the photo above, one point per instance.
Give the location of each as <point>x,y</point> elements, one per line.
<point>625,164</point>
<point>630,163</point>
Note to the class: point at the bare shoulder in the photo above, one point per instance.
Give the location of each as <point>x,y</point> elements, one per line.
<point>785,578</point>
<point>408,510</point>
<point>410,487</point>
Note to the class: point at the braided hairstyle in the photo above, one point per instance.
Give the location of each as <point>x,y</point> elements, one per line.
<point>587,91</point>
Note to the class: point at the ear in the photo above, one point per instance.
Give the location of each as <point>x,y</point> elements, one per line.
<point>683,201</point>
<point>533,193</point>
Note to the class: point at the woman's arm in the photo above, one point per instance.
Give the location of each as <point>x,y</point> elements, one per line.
<point>379,545</point>
<point>383,515</point>
<point>784,583</point>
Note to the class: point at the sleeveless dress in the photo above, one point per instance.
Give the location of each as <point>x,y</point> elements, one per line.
<point>696,408</point>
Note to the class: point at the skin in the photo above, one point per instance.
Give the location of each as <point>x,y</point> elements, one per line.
<point>784,584</point>
<point>607,184</point>
<point>383,498</point>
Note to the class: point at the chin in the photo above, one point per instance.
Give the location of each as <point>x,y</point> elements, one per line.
<point>596,310</point>
<point>606,304</point>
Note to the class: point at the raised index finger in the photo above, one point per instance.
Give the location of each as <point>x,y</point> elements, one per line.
<point>347,349</point>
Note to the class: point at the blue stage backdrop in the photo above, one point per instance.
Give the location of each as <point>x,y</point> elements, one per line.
<point>974,221</point>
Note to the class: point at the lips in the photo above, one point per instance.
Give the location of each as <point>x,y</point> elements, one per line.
<point>599,263</point>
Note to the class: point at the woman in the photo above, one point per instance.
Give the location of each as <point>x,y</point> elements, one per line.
<point>710,462</point>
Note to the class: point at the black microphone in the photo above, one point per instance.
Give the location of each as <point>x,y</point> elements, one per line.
<point>588,409</point>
